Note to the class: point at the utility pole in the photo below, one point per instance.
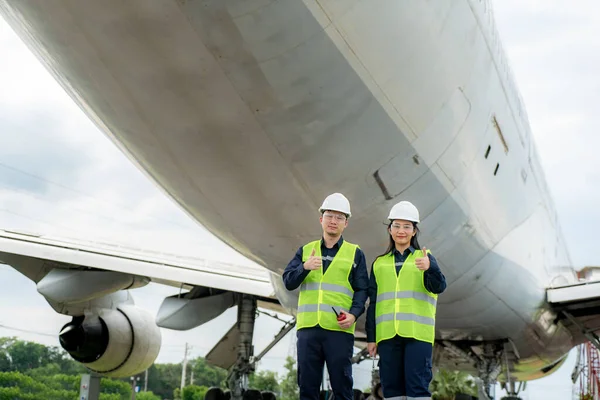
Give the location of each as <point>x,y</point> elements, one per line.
<point>134,381</point>
<point>89,387</point>
<point>146,381</point>
<point>185,361</point>
<point>192,377</point>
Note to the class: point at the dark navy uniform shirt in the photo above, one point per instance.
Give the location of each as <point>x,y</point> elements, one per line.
<point>294,274</point>
<point>435,282</point>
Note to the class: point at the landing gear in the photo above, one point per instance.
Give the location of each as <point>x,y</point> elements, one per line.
<point>376,391</point>
<point>513,389</point>
<point>358,395</point>
<point>489,368</point>
<point>245,362</point>
<point>493,357</point>
<point>238,376</point>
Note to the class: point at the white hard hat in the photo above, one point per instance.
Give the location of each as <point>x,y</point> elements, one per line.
<point>336,202</point>
<point>404,210</point>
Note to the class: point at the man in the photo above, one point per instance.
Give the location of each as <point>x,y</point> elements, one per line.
<point>333,280</point>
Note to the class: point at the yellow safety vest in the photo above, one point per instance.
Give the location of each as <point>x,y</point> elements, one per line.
<point>404,307</point>
<point>320,292</point>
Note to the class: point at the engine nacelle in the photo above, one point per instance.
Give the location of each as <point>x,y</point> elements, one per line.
<point>115,343</point>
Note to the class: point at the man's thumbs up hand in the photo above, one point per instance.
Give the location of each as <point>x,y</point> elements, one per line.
<point>313,262</point>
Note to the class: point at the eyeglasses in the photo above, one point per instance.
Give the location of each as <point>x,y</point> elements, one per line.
<point>405,227</point>
<point>337,217</point>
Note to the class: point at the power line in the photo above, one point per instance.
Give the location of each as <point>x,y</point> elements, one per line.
<point>38,220</point>
<point>12,328</point>
<point>84,194</point>
<point>71,208</point>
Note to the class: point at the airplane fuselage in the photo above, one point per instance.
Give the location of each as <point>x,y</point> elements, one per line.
<point>248,113</point>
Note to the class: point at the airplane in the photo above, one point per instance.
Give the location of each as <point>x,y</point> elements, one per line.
<point>247,113</point>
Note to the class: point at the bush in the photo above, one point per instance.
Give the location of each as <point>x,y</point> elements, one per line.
<point>194,392</point>
<point>146,396</point>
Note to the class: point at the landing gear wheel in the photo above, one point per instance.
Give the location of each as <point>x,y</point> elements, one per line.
<point>268,396</point>
<point>214,393</point>
<point>252,394</point>
<point>378,392</point>
<point>358,395</point>
<point>461,396</point>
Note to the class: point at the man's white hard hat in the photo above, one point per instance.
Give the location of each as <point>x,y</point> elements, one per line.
<point>336,202</point>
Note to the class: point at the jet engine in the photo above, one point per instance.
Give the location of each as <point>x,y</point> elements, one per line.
<point>114,343</point>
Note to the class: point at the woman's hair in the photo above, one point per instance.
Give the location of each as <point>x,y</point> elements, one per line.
<point>414,242</point>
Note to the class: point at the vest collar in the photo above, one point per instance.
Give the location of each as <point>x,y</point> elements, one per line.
<point>336,245</point>
<point>407,252</point>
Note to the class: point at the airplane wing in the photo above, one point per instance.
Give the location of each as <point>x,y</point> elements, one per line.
<point>34,255</point>
<point>577,306</point>
<point>89,281</point>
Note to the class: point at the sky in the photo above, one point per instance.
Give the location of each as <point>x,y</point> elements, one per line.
<point>59,175</point>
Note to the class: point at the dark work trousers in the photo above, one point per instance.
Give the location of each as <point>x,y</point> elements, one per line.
<point>317,346</point>
<point>405,368</point>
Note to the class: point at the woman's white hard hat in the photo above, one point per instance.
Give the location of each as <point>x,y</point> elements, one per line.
<point>404,210</point>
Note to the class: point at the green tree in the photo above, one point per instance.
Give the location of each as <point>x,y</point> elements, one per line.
<point>31,371</point>
<point>57,381</point>
<point>105,396</point>
<point>21,386</point>
<point>446,384</point>
<point>163,379</point>
<point>289,383</point>
<point>264,380</point>
<point>6,342</point>
<point>193,392</point>
<point>4,357</point>
<point>207,375</point>
<point>146,396</point>
<point>18,355</point>
<point>10,393</point>
<point>44,371</point>
<point>4,362</point>
<point>119,388</point>
<point>66,364</point>
<point>27,355</point>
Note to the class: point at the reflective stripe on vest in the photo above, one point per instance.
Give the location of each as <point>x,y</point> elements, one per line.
<point>321,293</point>
<point>403,307</point>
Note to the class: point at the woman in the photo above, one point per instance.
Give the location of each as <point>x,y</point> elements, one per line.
<point>403,289</point>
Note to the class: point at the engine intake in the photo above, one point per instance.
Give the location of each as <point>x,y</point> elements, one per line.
<point>115,343</point>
